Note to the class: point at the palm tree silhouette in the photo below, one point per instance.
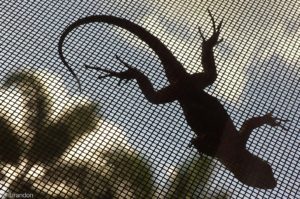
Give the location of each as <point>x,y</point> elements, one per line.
<point>192,178</point>
<point>50,139</point>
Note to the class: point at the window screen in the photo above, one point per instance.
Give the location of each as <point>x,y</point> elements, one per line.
<point>108,140</point>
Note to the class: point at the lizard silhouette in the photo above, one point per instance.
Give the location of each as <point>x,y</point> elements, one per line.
<point>216,134</point>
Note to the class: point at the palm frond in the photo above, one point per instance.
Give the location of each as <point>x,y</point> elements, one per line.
<point>132,167</point>
<point>191,177</point>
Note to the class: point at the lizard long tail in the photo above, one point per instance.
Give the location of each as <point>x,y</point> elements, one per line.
<point>173,68</point>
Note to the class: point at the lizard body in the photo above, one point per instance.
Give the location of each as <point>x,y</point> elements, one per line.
<point>216,135</point>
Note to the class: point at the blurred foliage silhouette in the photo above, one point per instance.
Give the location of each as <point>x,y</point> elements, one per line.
<point>9,150</point>
<point>49,140</point>
<point>184,182</point>
<point>123,172</point>
<point>131,166</point>
<point>192,178</point>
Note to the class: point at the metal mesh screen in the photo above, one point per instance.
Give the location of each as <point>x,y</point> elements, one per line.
<point>108,141</point>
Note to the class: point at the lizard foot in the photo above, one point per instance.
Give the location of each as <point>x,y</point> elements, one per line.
<point>274,121</point>
<point>214,39</point>
<point>126,75</point>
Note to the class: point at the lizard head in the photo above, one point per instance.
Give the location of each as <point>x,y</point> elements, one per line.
<point>254,171</point>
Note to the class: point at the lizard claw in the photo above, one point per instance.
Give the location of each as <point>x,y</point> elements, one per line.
<point>96,68</point>
<point>120,81</point>
<point>219,26</point>
<point>104,76</point>
<point>110,73</point>
<point>212,19</point>
<point>124,63</point>
<point>275,121</point>
<point>201,34</point>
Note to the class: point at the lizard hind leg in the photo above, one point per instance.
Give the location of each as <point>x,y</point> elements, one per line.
<point>204,144</point>
<point>270,120</point>
<point>256,122</point>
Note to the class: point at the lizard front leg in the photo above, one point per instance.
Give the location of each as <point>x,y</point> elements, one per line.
<point>167,94</point>
<point>255,122</point>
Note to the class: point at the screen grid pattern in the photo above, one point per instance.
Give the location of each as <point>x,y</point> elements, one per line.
<point>108,141</point>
